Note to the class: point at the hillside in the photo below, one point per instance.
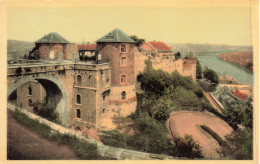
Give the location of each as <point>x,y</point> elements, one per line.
<point>243,59</point>
<point>206,48</point>
<point>16,49</point>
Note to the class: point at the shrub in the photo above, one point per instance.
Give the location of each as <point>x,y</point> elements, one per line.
<point>213,134</point>
<point>187,147</point>
<point>47,111</point>
<point>114,138</point>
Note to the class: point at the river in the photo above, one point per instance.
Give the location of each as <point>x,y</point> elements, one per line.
<point>212,61</point>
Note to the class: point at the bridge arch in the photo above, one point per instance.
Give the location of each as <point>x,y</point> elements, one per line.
<point>56,92</point>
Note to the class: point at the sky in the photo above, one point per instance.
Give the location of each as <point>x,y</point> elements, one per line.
<point>212,25</point>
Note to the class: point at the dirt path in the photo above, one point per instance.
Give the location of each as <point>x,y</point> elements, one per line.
<point>22,143</point>
<point>185,123</point>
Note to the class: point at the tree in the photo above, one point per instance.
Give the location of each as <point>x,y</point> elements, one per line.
<point>138,41</point>
<point>239,144</point>
<point>187,147</point>
<point>198,70</point>
<point>177,55</point>
<point>211,76</point>
<point>160,110</point>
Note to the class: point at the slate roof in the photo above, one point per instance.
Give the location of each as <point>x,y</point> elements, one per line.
<point>116,36</point>
<point>87,47</point>
<point>160,46</point>
<point>52,38</point>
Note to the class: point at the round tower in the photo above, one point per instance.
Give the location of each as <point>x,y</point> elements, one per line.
<point>119,49</point>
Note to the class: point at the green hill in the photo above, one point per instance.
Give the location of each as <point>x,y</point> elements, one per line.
<point>17,49</point>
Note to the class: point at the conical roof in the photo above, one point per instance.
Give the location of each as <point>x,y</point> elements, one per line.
<point>116,36</point>
<point>52,38</point>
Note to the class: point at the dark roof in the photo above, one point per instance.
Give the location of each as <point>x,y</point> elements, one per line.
<point>52,38</point>
<point>116,36</point>
<point>160,46</point>
<point>87,47</point>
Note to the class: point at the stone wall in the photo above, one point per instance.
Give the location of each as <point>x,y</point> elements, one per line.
<point>167,63</point>
<point>107,151</point>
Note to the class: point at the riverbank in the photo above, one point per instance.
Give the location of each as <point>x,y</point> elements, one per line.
<point>222,67</point>
<point>243,59</point>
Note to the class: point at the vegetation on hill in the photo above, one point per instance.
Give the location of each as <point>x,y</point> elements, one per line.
<point>239,144</point>
<point>163,92</point>
<point>82,148</point>
<point>47,111</point>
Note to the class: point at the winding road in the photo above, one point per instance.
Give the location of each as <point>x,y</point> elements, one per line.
<point>181,123</point>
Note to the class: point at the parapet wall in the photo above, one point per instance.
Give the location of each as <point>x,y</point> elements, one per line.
<point>107,151</point>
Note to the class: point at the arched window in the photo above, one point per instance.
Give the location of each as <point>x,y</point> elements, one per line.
<point>30,102</point>
<point>78,99</point>
<point>123,48</point>
<point>123,79</point>
<point>30,90</point>
<point>123,95</point>
<point>123,61</point>
<point>78,113</point>
<point>79,80</point>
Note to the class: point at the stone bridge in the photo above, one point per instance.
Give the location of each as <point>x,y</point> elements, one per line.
<point>60,84</point>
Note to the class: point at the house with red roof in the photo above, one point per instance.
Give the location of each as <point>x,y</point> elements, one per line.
<point>87,49</point>
<point>157,47</point>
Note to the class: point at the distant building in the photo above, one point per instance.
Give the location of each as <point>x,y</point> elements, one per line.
<point>88,49</point>
<point>51,45</point>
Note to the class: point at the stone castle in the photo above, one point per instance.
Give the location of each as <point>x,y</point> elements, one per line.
<point>86,93</point>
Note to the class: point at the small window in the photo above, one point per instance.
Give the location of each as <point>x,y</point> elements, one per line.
<point>30,102</point>
<point>123,79</point>
<point>123,61</point>
<point>79,80</point>
<point>123,48</point>
<point>123,95</point>
<point>89,76</point>
<point>78,113</point>
<point>30,90</point>
<point>78,99</point>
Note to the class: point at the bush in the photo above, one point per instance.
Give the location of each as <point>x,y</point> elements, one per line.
<point>151,137</point>
<point>187,147</point>
<point>213,134</point>
<point>114,138</point>
<point>47,111</point>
